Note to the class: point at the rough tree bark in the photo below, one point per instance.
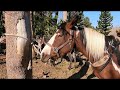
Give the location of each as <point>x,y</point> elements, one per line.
<point>33,31</point>
<point>18,45</point>
<point>64,15</point>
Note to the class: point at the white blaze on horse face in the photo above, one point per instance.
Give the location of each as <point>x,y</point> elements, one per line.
<point>47,49</point>
<point>116,67</point>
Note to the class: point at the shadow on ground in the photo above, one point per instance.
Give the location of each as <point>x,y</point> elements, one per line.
<point>82,72</point>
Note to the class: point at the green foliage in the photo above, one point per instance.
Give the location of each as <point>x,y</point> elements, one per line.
<point>44,23</point>
<point>87,22</point>
<point>104,23</point>
<point>82,21</point>
<point>2,29</point>
<point>80,15</point>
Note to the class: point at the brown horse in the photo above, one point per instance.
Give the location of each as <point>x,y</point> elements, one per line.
<point>61,43</point>
<point>102,53</point>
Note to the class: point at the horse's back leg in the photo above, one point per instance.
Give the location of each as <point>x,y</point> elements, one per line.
<point>71,59</point>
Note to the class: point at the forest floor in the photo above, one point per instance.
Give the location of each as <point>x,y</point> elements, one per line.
<point>47,71</point>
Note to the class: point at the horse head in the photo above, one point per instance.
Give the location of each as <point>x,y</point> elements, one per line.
<point>60,43</point>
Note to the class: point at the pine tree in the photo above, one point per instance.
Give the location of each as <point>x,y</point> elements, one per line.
<point>80,15</point>
<point>82,21</point>
<point>104,23</point>
<point>2,28</point>
<point>87,23</point>
<point>44,23</point>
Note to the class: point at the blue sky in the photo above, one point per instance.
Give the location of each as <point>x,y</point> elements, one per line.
<point>94,17</point>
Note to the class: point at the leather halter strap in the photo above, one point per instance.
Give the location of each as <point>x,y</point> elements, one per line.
<point>56,49</point>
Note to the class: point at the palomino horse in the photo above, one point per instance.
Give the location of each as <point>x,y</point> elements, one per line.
<point>61,43</point>
<point>102,53</point>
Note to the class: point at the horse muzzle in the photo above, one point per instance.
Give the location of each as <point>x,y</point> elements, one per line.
<point>44,57</point>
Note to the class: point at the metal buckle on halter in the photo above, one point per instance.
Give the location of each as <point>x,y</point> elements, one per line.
<point>55,49</point>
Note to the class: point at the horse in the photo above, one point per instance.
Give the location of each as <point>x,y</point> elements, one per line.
<point>38,45</point>
<point>61,43</point>
<point>102,52</point>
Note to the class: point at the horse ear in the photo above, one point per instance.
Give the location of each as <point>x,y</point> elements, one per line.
<point>70,24</point>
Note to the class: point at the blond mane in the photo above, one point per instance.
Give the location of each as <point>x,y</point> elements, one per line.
<point>95,43</point>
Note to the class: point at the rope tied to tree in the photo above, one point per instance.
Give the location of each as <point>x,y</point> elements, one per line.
<point>15,36</point>
<point>32,41</point>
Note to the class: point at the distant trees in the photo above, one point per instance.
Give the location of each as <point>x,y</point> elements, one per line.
<point>2,28</point>
<point>104,23</point>
<point>87,22</point>
<point>44,23</point>
<point>80,15</point>
<point>82,20</point>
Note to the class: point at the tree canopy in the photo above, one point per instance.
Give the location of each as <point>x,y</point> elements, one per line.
<point>104,23</point>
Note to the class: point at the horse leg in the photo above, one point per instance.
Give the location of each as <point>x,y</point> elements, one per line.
<point>71,59</point>
<point>56,63</point>
<point>39,50</point>
<point>74,57</point>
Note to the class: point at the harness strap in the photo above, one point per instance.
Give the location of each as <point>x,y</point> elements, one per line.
<point>54,48</point>
<point>101,61</point>
<point>104,65</point>
<point>64,44</point>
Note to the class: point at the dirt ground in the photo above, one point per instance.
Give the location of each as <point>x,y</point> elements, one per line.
<point>47,71</point>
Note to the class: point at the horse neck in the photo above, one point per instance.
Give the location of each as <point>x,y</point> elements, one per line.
<point>80,45</point>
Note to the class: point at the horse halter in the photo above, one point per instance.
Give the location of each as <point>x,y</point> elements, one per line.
<point>56,49</point>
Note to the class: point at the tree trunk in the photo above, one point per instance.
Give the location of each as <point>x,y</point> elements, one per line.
<point>64,15</point>
<point>18,44</point>
<point>33,31</point>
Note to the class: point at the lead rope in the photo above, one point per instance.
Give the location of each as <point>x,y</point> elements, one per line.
<point>25,39</point>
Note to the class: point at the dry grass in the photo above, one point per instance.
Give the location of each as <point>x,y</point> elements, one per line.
<point>60,71</point>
